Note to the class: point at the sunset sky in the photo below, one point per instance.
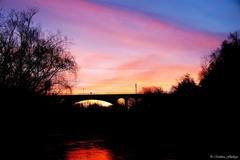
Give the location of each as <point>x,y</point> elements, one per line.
<point>118,43</point>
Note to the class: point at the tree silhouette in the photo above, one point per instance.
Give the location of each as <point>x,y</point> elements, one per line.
<point>220,74</point>
<point>152,90</point>
<point>30,60</point>
<point>185,87</point>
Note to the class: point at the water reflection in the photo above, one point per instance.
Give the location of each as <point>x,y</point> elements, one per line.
<point>89,154</point>
<point>103,149</point>
<point>88,150</point>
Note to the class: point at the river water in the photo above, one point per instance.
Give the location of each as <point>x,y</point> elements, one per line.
<point>89,149</point>
<point>101,149</point>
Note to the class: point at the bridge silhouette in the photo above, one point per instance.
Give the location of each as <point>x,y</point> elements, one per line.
<point>111,98</point>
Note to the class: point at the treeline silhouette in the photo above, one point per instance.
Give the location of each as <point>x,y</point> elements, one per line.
<point>32,63</point>
<point>219,77</point>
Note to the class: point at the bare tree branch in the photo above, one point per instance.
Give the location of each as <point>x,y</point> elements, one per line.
<point>28,59</point>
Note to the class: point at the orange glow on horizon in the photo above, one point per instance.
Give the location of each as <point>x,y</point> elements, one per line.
<point>108,86</point>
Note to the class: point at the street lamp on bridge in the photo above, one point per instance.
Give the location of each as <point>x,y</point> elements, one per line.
<point>135,88</point>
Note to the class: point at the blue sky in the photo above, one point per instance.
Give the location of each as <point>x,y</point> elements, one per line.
<point>218,16</point>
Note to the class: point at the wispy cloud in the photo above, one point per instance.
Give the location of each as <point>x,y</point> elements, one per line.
<point>129,47</point>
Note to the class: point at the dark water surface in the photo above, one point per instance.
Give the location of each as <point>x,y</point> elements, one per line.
<point>160,135</point>
<point>89,149</point>
<point>97,149</point>
<point>93,148</point>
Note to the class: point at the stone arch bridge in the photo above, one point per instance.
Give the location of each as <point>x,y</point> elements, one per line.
<point>111,98</point>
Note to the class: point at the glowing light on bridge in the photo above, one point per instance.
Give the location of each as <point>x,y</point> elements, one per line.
<point>121,101</point>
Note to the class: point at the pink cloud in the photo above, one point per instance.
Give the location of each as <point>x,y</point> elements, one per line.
<point>126,27</point>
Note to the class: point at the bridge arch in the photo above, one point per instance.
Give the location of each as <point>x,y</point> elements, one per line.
<point>90,102</point>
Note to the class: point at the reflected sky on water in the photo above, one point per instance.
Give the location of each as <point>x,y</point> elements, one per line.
<point>88,150</point>
<point>102,149</point>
